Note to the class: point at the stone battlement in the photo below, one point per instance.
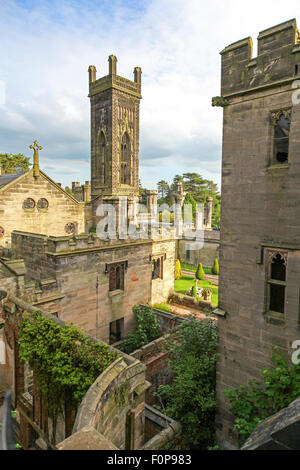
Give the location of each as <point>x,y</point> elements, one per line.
<point>112,80</point>
<point>278,60</point>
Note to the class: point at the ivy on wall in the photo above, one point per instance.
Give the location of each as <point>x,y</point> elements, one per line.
<point>64,360</point>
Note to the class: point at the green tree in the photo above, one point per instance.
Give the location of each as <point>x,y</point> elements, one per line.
<point>147,329</point>
<point>200,274</point>
<point>178,273</point>
<point>142,194</point>
<point>190,398</point>
<point>14,163</point>
<point>163,189</point>
<point>215,269</point>
<point>69,190</point>
<point>279,387</point>
<point>189,200</point>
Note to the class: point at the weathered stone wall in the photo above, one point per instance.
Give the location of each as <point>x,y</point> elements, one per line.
<point>62,208</point>
<point>79,267</point>
<point>205,255</point>
<point>259,214</point>
<point>119,390</point>
<point>161,288</point>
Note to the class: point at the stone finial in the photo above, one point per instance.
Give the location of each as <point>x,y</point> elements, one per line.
<point>36,147</point>
<point>112,60</point>
<point>92,73</point>
<point>137,75</point>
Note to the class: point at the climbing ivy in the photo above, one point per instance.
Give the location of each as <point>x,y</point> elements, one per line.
<point>280,385</point>
<point>64,360</point>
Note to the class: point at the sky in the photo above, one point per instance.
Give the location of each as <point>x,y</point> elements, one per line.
<point>46,48</point>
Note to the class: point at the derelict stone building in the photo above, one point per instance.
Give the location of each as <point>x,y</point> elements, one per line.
<point>260,228</point>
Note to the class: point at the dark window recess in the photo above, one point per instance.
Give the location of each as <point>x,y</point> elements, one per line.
<point>157,268</point>
<point>277,284</point>
<point>277,296</point>
<point>296,69</point>
<point>116,277</point>
<point>116,331</point>
<point>281,139</point>
<point>278,269</point>
<point>188,252</point>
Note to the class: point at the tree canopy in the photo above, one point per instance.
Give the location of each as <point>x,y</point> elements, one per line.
<point>14,163</point>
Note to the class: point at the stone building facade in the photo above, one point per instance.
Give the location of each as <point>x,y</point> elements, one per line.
<point>98,283</point>
<point>33,202</point>
<point>260,229</point>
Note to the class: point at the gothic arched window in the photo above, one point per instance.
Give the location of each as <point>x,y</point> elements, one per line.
<point>125,160</point>
<point>277,283</point>
<point>103,162</point>
<point>281,139</point>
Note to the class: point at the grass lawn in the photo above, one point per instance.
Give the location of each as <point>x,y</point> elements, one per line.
<point>184,284</point>
<point>193,269</point>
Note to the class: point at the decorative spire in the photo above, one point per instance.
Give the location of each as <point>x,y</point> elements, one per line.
<point>36,147</point>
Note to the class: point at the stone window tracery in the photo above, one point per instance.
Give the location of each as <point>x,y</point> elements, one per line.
<point>29,203</point>
<point>70,228</point>
<point>125,160</point>
<point>281,121</point>
<point>43,203</point>
<point>276,282</point>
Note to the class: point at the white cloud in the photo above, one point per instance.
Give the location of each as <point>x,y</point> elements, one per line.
<point>48,45</point>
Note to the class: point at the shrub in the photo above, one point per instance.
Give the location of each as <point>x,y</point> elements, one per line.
<point>64,360</point>
<point>215,269</point>
<point>190,398</point>
<point>178,273</point>
<point>147,329</point>
<point>259,400</point>
<point>194,292</point>
<point>200,274</point>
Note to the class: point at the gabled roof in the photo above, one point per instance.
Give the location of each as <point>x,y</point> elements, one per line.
<point>6,179</point>
<point>9,180</point>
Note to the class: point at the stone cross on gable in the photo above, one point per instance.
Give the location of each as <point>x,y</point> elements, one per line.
<point>36,147</point>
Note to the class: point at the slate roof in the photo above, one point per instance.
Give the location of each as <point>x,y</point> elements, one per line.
<point>6,179</point>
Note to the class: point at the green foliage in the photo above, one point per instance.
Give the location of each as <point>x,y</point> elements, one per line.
<point>65,362</point>
<point>13,163</point>
<point>147,329</point>
<point>194,292</point>
<point>190,398</point>
<point>165,307</point>
<point>163,189</point>
<point>215,269</point>
<point>178,273</point>
<point>69,191</point>
<point>259,400</point>
<point>200,274</point>
<point>198,188</point>
<point>189,200</point>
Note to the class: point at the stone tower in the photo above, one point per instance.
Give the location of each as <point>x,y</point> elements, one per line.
<point>259,293</point>
<point>114,136</point>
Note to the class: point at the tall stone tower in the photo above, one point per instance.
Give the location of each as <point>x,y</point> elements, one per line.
<point>259,292</point>
<point>114,136</point>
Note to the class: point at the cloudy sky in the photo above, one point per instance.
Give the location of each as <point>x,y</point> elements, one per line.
<point>47,46</point>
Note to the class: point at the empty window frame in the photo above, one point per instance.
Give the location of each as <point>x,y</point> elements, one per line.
<point>281,121</point>
<point>158,267</point>
<point>116,274</point>
<point>116,331</point>
<point>276,283</point>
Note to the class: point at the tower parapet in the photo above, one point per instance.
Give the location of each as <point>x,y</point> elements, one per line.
<point>114,81</point>
<point>278,60</point>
